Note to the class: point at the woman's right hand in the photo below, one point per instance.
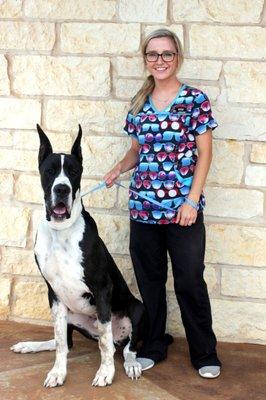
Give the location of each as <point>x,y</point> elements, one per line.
<point>112,175</point>
<point>127,163</point>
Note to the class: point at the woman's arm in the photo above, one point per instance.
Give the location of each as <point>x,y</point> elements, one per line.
<point>204,147</point>
<point>187,215</point>
<point>128,162</point>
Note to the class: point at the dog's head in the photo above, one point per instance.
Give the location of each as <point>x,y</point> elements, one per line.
<point>60,178</point>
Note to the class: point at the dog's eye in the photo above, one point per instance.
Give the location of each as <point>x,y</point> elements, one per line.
<point>73,172</point>
<point>50,171</point>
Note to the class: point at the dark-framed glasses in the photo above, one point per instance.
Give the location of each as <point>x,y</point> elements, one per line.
<point>167,56</point>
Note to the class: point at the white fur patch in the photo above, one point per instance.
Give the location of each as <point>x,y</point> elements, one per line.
<point>131,365</point>
<point>74,207</point>
<point>59,257</point>
<point>57,375</point>
<point>105,373</point>
<point>121,328</point>
<point>87,322</point>
<point>33,347</point>
<point>62,179</point>
<point>75,214</point>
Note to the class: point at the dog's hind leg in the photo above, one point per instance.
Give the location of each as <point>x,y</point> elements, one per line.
<point>136,314</point>
<point>131,366</point>
<point>47,345</point>
<point>33,347</point>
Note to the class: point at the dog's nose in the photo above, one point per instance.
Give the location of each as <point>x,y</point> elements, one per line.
<point>61,190</point>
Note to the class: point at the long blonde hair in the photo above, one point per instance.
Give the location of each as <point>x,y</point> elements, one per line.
<point>149,84</point>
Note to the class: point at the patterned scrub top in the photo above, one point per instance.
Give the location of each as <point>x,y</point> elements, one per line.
<point>167,155</point>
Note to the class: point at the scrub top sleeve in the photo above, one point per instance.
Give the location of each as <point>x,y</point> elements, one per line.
<point>130,127</point>
<point>202,118</point>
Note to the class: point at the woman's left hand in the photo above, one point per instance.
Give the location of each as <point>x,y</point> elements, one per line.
<point>186,215</point>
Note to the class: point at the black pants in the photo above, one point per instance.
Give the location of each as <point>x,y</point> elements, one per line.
<point>186,246</point>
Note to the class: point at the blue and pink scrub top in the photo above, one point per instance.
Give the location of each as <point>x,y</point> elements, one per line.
<point>167,154</point>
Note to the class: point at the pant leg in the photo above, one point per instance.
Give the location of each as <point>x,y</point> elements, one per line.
<point>149,257</point>
<point>186,246</point>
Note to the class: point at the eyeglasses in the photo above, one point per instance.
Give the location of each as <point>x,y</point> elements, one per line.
<point>168,135</point>
<point>145,148</point>
<point>136,204</point>
<point>153,127</point>
<point>171,193</point>
<point>151,174</point>
<point>184,181</point>
<point>184,190</point>
<point>147,194</point>
<point>145,166</point>
<point>167,56</point>
<point>168,147</point>
<point>159,214</point>
<point>162,175</point>
<point>167,165</point>
<point>162,156</point>
<point>130,128</point>
<point>146,184</point>
<point>156,184</point>
<point>144,215</point>
<point>183,146</point>
<point>172,203</point>
<point>148,157</point>
<point>186,161</point>
<point>166,184</point>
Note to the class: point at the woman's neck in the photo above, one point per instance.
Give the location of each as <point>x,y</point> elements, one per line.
<point>168,86</point>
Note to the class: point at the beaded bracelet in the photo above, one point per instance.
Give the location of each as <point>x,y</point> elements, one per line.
<point>192,203</point>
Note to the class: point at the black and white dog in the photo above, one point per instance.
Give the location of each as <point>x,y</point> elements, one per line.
<point>86,290</point>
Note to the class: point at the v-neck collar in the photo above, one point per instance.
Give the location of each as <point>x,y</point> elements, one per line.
<point>169,105</point>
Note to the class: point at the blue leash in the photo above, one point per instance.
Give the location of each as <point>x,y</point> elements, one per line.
<point>146,198</point>
<point>102,185</point>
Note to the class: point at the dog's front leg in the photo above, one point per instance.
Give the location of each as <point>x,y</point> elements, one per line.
<point>105,373</point>
<point>57,375</point>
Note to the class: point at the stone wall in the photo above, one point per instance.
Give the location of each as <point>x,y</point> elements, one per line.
<point>78,61</point>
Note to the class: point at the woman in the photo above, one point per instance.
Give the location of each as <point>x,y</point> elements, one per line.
<point>170,126</point>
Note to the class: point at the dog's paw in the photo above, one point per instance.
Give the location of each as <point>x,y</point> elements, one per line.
<point>104,376</point>
<point>23,347</point>
<point>133,369</point>
<point>55,377</point>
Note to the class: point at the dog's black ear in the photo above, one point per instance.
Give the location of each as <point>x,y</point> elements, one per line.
<point>76,148</point>
<point>45,146</point>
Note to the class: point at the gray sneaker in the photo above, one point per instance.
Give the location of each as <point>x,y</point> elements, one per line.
<point>146,363</point>
<point>211,371</point>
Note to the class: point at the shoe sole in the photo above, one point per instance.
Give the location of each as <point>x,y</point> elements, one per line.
<point>209,376</point>
<point>146,368</point>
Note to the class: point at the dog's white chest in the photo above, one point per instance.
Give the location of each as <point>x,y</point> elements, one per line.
<point>59,257</point>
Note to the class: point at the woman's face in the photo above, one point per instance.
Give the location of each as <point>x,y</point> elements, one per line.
<point>161,69</point>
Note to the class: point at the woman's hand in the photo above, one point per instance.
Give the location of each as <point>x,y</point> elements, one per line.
<point>128,162</point>
<point>112,175</point>
<point>186,215</point>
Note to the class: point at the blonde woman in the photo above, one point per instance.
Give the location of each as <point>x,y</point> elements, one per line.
<point>170,125</point>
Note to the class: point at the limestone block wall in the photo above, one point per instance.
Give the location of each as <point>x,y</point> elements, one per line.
<point>64,62</point>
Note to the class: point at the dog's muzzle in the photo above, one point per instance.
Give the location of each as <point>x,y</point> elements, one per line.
<point>61,209</point>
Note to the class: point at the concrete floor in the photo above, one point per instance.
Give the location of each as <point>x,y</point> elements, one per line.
<point>22,375</point>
